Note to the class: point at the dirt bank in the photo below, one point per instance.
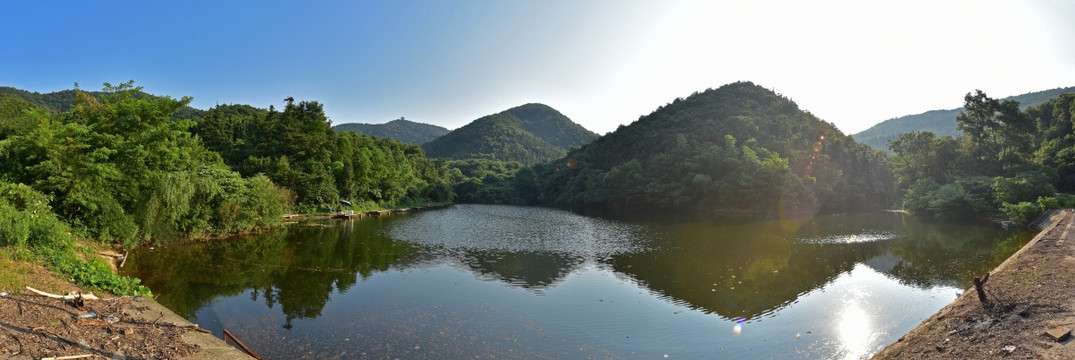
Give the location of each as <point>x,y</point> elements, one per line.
<point>1032,292</point>
<point>35,327</point>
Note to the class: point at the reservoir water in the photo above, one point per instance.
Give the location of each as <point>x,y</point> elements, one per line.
<point>488,281</point>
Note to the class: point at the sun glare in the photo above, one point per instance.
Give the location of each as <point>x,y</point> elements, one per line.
<point>855,331</point>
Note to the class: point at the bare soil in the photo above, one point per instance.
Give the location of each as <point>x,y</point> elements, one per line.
<point>1031,293</point>
<point>37,327</point>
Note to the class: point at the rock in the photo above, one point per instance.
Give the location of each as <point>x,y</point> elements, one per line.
<point>1058,334</point>
<point>1009,349</point>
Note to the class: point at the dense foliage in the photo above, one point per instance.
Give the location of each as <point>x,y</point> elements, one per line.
<point>29,229</point>
<point>1007,160</point>
<point>122,169</point>
<point>528,134</point>
<point>403,130</point>
<point>298,149</point>
<point>940,122</point>
<point>737,149</point>
<point>123,166</point>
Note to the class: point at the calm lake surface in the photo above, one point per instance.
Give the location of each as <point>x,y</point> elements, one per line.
<point>486,281</point>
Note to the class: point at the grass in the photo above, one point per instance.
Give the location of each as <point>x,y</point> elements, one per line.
<point>1066,200</point>
<point>17,271</point>
<point>12,272</point>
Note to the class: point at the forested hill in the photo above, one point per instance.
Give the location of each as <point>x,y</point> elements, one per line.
<point>529,134</point>
<point>401,129</point>
<point>940,122</point>
<point>63,100</point>
<point>57,101</point>
<point>737,149</point>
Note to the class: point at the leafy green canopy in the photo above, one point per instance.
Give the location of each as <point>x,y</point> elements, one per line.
<point>28,228</point>
<point>122,169</point>
<point>738,149</point>
<point>298,149</point>
<point>1007,160</point>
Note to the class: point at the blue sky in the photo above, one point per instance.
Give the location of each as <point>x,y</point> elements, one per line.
<point>601,63</point>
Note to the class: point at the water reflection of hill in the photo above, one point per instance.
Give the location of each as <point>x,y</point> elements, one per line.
<point>528,270</point>
<point>750,269</point>
<point>732,269</point>
<point>528,247</point>
<point>744,284</point>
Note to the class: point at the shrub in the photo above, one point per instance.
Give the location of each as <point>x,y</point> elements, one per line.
<point>1023,212</point>
<point>28,226</point>
<point>1025,186</point>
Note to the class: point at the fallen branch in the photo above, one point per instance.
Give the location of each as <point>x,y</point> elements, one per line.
<point>71,296</point>
<point>198,329</point>
<point>229,335</point>
<point>126,254</point>
<point>68,357</point>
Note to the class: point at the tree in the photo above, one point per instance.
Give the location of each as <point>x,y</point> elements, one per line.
<point>998,134</point>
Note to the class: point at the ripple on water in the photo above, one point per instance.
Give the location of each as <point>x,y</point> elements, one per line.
<point>519,229</point>
<point>864,237</point>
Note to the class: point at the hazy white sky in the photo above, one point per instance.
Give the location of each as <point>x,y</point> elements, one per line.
<point>601,63</point>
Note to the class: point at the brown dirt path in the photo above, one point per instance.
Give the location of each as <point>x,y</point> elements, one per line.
<point>1033,292</point>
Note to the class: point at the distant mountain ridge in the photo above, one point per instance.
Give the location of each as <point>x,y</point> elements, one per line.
<point>59,100</point>
<point>400,129</point>
<point>529,134</point>
<point>63,100</point>
<point>940,122</point>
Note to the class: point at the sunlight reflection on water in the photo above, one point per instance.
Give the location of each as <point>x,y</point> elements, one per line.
<point>864,237</point>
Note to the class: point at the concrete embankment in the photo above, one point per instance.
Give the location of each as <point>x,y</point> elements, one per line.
<point>1031,311</point>
<point>209,346</point>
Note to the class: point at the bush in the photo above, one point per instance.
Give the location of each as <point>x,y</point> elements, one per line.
<point>27,221</point>
<point>1023,212</point>
<point>917,197</point>
<point>1025,186</point>
<point>1048,203</point>
<point>14,227</point>
<point>1026,212</point>
<point>1065,200</point>
<point>94,273</point>
<point>28,226</point>
<point>262,205</point>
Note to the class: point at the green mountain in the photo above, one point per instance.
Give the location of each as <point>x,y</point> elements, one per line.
<point>529,134</point>
<point>58,101</point>
<point>940,122</point>
<point>401,129</point>
<point>737,149</point>
<point>63,100</point>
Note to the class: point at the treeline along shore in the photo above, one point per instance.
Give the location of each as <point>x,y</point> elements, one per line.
<point>119,168</point>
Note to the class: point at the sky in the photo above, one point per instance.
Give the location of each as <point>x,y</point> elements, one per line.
<point>601,63</point>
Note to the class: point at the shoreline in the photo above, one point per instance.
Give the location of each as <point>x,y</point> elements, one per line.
<point>292,218</point>
<point>1032,295</point>
<point>41,326</point>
